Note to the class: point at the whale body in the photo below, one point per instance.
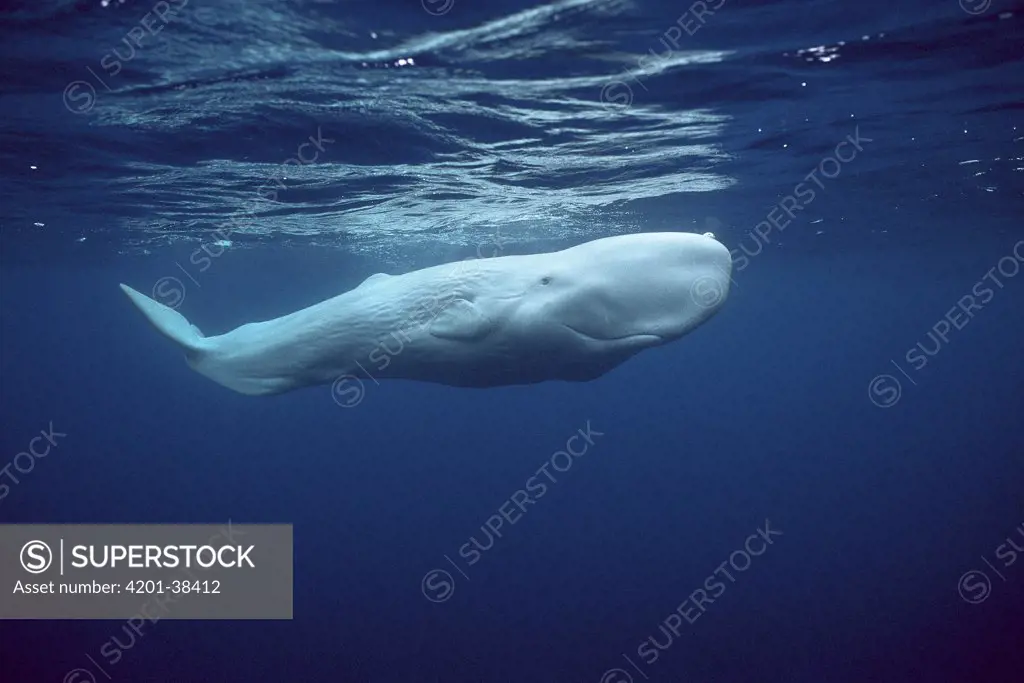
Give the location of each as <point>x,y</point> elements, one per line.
<point>569,315</point>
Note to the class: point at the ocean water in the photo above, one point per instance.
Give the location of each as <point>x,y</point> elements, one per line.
<point>823,484</point>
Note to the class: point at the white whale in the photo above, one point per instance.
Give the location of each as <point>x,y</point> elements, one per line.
<point>568,315</point>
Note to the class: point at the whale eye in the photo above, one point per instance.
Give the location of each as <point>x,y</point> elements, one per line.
<point>545,281</point>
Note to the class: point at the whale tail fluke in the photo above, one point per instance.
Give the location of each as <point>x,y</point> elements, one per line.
<point>214,357</point>
<point>170,323</point>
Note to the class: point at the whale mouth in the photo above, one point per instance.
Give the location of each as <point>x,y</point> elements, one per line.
<point>644,337</point>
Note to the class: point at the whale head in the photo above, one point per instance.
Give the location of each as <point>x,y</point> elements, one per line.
<point>629,292</point>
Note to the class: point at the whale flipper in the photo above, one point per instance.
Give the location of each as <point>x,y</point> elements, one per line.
<point>461,320</point>
<point>170,323</point>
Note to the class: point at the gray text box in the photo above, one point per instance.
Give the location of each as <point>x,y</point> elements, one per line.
<point>151,571</point>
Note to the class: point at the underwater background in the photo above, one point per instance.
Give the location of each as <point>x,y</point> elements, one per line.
<point>841,448</point>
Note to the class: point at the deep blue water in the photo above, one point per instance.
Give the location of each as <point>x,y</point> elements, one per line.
<point>843,396</point>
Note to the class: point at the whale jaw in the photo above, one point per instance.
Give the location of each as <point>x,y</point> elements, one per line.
<point>640,339</point>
